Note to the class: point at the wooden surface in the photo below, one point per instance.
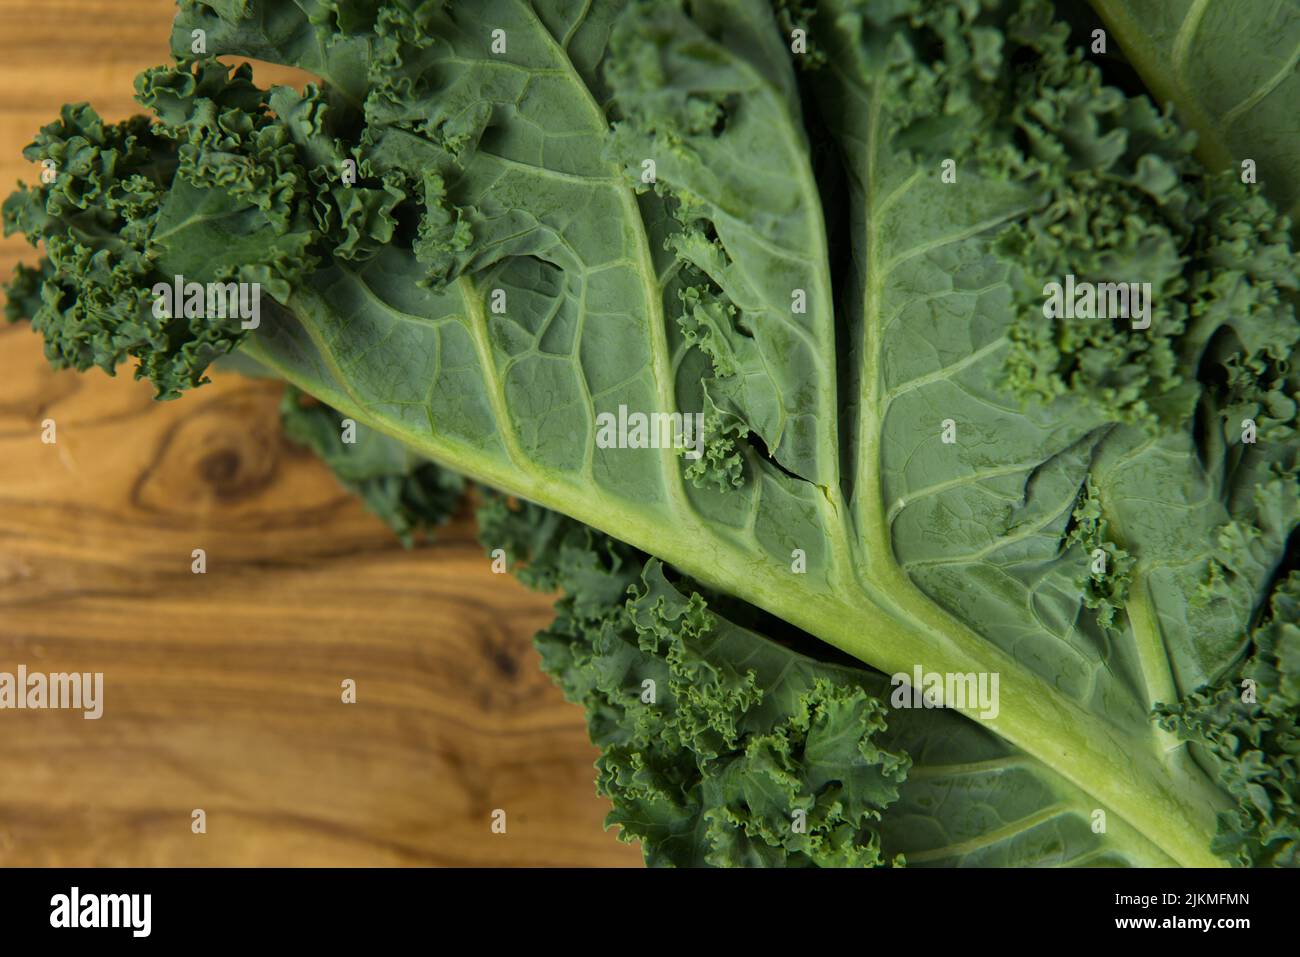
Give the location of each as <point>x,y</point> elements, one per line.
<point>222,690</point>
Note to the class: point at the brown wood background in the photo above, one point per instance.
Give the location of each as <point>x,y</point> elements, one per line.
<point>222,691</point>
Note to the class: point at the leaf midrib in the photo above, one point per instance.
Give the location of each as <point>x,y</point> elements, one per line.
<point>1164,79</point>
<point>1050,734</point>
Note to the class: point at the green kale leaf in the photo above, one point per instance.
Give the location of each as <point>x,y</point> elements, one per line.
<point>828,232</point>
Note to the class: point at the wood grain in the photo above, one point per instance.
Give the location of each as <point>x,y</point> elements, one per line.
<point>222,690</point>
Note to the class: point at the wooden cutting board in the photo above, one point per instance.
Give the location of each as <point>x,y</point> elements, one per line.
<point>222,690</point>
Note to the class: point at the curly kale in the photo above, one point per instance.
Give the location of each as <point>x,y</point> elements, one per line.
<point>839,233</point>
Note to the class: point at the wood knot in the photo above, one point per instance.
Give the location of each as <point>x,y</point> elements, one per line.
<point>223,452</point>
<point>220,468</point>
